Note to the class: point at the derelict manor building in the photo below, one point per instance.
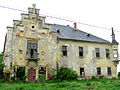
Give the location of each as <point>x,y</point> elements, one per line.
<point>42,48</point>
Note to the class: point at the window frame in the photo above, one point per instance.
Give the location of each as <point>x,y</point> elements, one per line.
<point>97,52</point>
<point>81,52</point>
<point>107,53</point>
<point>109,71</point>
<point>98,70</point>
<point>64,50</point>
<point>32,49</point>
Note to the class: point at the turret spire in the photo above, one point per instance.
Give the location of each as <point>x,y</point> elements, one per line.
<point>113,37</point>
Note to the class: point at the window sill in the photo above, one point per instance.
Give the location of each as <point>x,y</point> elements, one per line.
<point>97,57</point>
<point>108,58</point>
<point>81,56</point>
<point>64,56</point>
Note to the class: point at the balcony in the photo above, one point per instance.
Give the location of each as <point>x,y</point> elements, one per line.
<point>116,62</point>
<point>33,57</point>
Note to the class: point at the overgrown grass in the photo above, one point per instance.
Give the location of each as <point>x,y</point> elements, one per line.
<point>88,84</point>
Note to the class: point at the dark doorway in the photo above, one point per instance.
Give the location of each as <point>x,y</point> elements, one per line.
<point>7,76</point>
<point>42,70</point>
<point>31,75</point>
<point>82,73</point>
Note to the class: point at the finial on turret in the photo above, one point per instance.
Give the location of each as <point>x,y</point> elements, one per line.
<point>113,37</point>
<point>34,5</point>
<point>112,31</point>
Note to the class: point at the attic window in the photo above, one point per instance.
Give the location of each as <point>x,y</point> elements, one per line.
<point>58,31</point>
<point>33,26</point>
<point>88,35</point>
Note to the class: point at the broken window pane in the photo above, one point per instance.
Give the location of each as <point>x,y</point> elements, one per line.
<point>97,50</point>
<point>98,71</point>
<point>64,50</point>
<point>80,51</point>
<point>115,53</point>
<point>32,50</point>
<point>109,70</point>
<point>107,53</point>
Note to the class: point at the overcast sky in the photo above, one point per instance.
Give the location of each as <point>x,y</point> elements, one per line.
<point>102,13</point>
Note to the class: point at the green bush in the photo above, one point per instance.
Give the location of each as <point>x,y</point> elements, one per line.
<point>41,78</point>
<point>20,74</point>
<point>65,74</point>
<point>1,67</point>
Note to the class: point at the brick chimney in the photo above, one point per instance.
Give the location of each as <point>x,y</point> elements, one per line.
<point>75,25</point>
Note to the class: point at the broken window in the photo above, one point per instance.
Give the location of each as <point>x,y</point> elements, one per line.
<point>98,71</point>
<point>107,53</point>
<point>32,50</point>
<point>64,50</point>
<point>97,50</point>
<point>81,51</point>
<point>115,53</point>
<point>109,71</point>
<point>82,73</point>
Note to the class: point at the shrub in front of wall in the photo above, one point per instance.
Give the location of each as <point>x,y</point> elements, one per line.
<point>41,78</point>
<point>1,67</point>
<point>65,74</point>
<point>20,74</point>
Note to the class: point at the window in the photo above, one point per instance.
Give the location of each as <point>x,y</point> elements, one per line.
<point>21,33</point>
<point>97,50</point>
<point>81,51</point>
<point>109,71</point>
<point>115,53</point>
<point>32,50</point>
<point>82,72</point>
<point>64,50</point>
<point>98,71</point>
<point>107,53</point>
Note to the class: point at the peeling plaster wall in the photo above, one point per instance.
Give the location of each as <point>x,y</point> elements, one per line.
<point>89,62</point>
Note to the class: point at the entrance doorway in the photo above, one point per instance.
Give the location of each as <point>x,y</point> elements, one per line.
<point>31,75</point>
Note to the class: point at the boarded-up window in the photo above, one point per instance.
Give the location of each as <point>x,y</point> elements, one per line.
<point>98,71</point>
<point>81,51</point>
<point>64,50</point>
<point>107,53</point>
<point>109,71</point>
<point>97,50</point>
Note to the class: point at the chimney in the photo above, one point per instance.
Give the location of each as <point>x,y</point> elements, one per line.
<point>75,25</point>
